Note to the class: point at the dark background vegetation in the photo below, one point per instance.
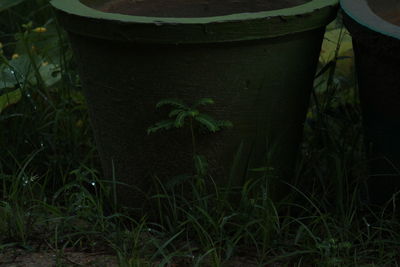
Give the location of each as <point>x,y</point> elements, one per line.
<point>52,197</point>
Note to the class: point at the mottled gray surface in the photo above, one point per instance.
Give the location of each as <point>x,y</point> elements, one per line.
<point>377,58</point>
<point>261,86</point>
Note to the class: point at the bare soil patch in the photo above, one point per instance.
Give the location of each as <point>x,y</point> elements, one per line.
<point>22,258</point>
<point>391,16</point>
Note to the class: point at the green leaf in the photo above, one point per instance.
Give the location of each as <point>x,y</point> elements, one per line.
<point>166,125</point>
<point>15,71</point>
<point>203,102</point>
<point>208,122</point>
<point>47,44</point>
<point>9,99</point>
<point>225,124</point>
<point>22,66</point>
<point>77,97</point>
<point>172,102</point>
<point>175,112</point>
<point>200,164</point>
<point>7,78</point>
<point>180,119</point>
<point>193,113</point>
<point>6,4</point>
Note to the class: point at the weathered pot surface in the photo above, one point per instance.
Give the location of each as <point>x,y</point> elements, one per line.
<point>381,16</point>
<point>231,27</point>
<point>258,67</point>
<point>374,26</point>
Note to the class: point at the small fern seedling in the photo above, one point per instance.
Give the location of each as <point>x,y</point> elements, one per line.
<point>182,114</point>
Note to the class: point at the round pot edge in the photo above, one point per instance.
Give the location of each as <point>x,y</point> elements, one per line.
<point>360,12</point>
<point>237,27</point>
<point>77,8</point>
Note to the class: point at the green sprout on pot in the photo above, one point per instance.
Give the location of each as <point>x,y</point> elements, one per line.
<point>182,115</point>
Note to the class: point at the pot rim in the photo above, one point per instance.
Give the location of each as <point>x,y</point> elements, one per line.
<point>76,7</point>
<point>361,12</point>
<point>83,20</point>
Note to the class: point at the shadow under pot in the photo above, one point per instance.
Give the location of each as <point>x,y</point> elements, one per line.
<point>375,28</point>
<point>255,59</point>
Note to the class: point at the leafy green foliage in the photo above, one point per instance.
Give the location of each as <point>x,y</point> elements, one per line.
<point>181,112</point>
<point>200,163</point>
<point>9,99</point>
<point>166,125</point>
<point>6,4</point>
<point>172,102</point>
<point>36,62</point>
<point>203,102</point>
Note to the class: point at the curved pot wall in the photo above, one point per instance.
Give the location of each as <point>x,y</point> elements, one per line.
<point>257,67</point>
<point>376,38</point>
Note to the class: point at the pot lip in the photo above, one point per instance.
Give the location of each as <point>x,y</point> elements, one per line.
<point>360,12</point>
<point>76,7</point>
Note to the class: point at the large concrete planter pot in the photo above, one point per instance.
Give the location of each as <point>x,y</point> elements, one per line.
<point>258,67</point>
<point>375,28</point>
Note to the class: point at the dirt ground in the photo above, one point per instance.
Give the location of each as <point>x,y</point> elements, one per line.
<point>22,258</point>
